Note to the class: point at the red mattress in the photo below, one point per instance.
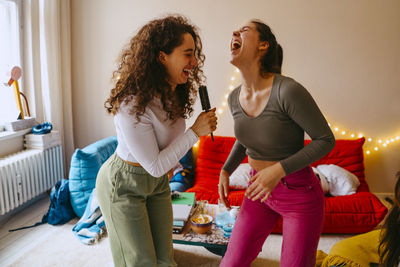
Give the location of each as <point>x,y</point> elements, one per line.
<point>356,213</point>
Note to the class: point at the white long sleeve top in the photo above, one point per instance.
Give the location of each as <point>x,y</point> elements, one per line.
<point>156,143</point>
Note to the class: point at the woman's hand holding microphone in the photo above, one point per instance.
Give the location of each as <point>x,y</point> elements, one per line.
<point>205,123</point>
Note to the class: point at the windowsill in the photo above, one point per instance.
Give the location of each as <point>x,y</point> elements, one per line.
<point>8,134</point>
<point>12,142</point>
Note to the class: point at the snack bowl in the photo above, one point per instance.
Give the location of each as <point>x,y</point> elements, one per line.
<point>201,223</point>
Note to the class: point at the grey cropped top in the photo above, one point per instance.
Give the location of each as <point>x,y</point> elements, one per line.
<point>277,134</point>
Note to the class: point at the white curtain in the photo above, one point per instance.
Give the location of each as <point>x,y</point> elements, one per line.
<point>47,66</point>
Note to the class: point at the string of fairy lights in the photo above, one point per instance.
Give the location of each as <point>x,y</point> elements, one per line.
<point>371,145</point>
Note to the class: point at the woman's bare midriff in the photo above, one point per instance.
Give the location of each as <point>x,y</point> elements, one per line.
<point>258,165</point>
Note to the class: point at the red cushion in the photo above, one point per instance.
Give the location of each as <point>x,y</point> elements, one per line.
<point>355,213</point>
<point>352,214</point>
<point>349,155</point>
<point>211,157</point>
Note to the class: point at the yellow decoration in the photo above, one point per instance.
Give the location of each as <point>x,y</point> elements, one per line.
<point>18,98</point>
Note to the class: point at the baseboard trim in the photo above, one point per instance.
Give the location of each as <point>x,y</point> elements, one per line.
<point>383,195</point>
<point>5,217</point>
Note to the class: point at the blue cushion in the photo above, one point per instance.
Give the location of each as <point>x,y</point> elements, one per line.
<point>85,164</point>
<point>183,174</point>
<point>177,186</point>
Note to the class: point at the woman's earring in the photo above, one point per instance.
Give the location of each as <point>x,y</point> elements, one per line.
<point>161,57</point>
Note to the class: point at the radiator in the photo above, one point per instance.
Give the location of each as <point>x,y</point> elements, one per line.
<point>27,174</point>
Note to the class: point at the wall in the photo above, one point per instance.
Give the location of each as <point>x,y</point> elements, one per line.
<point>346,53</point>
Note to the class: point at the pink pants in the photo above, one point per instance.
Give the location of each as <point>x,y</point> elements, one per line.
<point>299,199</point>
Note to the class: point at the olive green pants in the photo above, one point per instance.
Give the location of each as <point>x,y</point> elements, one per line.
<point>138,214</point>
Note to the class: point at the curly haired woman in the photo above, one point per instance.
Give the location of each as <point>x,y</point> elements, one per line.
<point>153,94</point>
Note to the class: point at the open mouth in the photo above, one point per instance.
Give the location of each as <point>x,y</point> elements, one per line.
<point>186,72</point>
<point>235,45</point>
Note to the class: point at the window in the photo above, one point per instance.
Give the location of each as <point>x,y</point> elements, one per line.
<point>10,56</point>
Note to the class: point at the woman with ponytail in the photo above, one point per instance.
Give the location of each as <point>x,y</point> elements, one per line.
<point>271,112</point>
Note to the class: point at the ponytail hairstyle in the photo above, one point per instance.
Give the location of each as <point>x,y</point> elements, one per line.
<point>271,61</point>
<point>389,247</point>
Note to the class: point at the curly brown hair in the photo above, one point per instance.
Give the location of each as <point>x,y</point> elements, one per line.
<point>140,73</point>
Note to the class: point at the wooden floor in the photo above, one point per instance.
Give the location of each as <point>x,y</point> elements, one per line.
<point>15,244</point>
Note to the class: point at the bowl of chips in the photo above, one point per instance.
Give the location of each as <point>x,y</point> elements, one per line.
<point>201,223</point>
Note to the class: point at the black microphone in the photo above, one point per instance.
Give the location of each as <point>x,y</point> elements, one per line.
<point>205,102</point>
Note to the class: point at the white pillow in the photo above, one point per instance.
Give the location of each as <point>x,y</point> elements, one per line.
<point>324,181</point>
<point>341,181</point>
<point>240,178</point>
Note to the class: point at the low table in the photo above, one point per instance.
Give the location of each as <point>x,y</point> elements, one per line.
<point>214,240</point>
